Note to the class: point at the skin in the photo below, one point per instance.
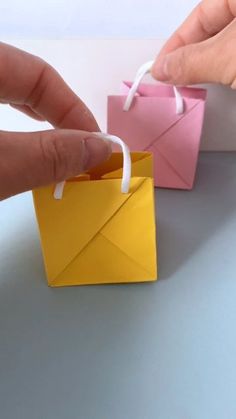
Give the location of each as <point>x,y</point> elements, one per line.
<point>202,49</point>
<point>30,160</point>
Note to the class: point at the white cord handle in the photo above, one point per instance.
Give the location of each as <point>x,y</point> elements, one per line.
<point>144,69</point>
<point>125,183</point>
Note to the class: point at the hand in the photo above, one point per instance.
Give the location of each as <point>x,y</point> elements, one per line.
<point>203,49</point>
<point>30,160</point>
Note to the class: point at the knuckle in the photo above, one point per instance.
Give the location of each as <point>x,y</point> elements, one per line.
<point>233,83</point>
<point>223,58</point>
<point>4,68</point>
<point>227,63</point>
<point>36,94</point>
<point>177,66</point>
<point>183,61</point>
<point>191,64</point>
<point>54,154</point>
<point>207,25</point>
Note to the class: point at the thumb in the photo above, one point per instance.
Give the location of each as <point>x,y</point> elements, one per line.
<point>30,160</point>
<point>191,64</point>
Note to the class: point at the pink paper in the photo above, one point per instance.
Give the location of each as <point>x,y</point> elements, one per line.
<point>152,124</point>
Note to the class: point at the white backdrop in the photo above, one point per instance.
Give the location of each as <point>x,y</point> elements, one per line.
<point>57,19</point>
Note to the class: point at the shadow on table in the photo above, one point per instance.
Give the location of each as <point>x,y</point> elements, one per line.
<point>188,219</point>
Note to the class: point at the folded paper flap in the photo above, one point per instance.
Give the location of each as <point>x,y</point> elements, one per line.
<point>125,88</point>
<point>142,166</point>
<point>164,90</point>
<point>98,202</point>
<point>176,149</point>
<point>58,219</point>
<point>117,244</point>
<point>128,219</point>
<point>149,120</point>
<point>80,178</point>
<point>113,167</point>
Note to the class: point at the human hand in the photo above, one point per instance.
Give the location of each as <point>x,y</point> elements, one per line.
<point>203,49</point>
<point>30,160</point>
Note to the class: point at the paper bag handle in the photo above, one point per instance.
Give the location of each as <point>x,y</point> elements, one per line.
<point>144,69</point>
<point>125,183</point>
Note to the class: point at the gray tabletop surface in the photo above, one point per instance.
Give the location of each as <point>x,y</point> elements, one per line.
<point>165,350</point>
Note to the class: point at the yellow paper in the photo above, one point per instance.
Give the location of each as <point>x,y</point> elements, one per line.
<point>95,234</point>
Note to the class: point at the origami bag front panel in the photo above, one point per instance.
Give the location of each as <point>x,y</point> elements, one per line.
<point>152,124</point>
<point>95,234</point>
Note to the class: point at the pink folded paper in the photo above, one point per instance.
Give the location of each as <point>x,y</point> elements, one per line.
<point>152,124</point>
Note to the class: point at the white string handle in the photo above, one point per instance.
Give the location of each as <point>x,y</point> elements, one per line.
<point>144,69</point>
<point>125,183</point>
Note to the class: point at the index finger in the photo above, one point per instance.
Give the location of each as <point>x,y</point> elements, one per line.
<point>28,80</point>
<point>207,19</point>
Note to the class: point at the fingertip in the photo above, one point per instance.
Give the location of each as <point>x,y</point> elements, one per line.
<point>160,69</point>
<point>97,151</point>
<point>176,68</point>
<point>70,153</point>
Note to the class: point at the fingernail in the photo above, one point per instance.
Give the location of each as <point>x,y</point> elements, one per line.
<point>97,150</point>
<point>160,69</point>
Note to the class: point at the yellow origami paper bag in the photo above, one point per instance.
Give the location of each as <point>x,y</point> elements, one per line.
<point>95,233</point>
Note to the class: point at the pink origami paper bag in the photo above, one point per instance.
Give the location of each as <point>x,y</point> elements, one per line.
<point>152,124</point>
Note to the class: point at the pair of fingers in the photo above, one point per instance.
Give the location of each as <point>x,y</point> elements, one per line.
<point>203,47</point>
<point>29,160</point>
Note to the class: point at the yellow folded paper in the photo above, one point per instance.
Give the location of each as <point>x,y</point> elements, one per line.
<point>96,234</point>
